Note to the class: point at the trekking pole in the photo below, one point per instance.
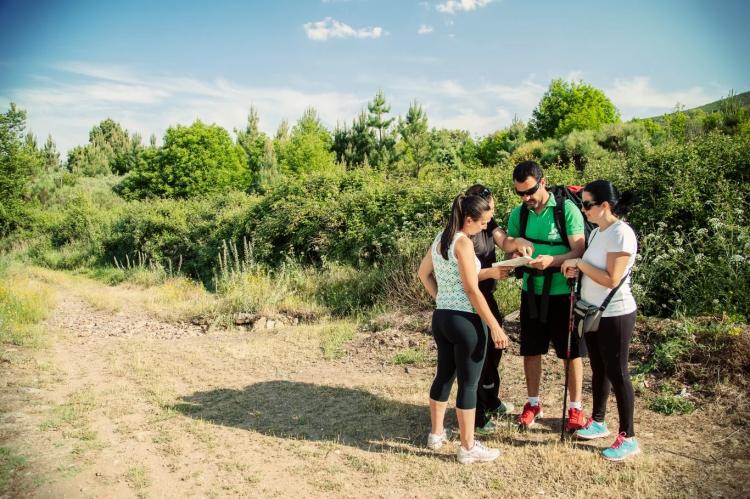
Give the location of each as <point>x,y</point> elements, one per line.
<point>572,285</point>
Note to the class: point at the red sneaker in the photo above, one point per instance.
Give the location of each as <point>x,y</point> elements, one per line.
<point>577,420</point>
<point>529,415</point>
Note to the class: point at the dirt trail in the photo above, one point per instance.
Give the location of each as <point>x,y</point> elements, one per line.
<point>122,404</point>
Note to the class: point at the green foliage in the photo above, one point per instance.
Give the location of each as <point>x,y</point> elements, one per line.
<point>671,404</point>
<point>19,161</point>
<point>11,466</point>
<point>383,153</point>
<point>568,106</point>
<point>23,305</point>
<point>195,160</point>
<point>108,141</point>
<point>497,147</point>
<point>414,147</point>
<point>261,157</point>
<point>309,146</point>
<point>410,356</point>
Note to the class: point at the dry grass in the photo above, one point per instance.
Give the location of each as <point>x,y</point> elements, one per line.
<point>24,303</point>
<point>289,413</point>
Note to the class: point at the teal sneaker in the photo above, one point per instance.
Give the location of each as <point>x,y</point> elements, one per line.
<point>592,431</point>
<point>621,449</point>
<point>504,409</point>
<point>488,429</point>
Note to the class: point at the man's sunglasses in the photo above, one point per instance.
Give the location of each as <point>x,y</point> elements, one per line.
<point>529,192</point>
<point>587,205</point>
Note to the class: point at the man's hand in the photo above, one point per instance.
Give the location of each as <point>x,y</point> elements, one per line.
<point>524,247</point>
<point>541,262</point>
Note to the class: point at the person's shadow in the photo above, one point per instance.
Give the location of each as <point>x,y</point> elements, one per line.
<point>296,410</point>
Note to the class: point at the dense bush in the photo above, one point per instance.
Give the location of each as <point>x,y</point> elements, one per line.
<point>194,160</point>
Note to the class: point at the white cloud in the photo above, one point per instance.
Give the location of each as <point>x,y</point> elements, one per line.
<point>636,96</point>
<point>424,29</point>
<point>453,6</point>
<point>145,104</point>
<point>331,28</point>
<point>151,105</point>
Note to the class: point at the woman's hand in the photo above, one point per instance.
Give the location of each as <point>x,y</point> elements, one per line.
<point>569,268</point>
<point>499,338</point>
<point>499,273</point>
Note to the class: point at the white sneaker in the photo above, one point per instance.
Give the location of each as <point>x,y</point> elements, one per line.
<point>478,453</point>
<point>434,442</point>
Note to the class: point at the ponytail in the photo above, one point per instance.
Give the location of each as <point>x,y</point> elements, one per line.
<point>463,206</point>
<point>455,222</point>
<point>626,201</point>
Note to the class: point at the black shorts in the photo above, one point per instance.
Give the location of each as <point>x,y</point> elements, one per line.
<point>536,335</point>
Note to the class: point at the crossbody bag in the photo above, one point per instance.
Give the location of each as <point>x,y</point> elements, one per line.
<point>589,315</point>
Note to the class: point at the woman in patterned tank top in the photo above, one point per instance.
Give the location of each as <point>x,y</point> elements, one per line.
<point>450,274</point>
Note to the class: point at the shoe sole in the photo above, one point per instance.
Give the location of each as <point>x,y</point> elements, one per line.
<point>591,437</point>
<point>472,460</point>
<point>524,427</point>
<point>623,458</point>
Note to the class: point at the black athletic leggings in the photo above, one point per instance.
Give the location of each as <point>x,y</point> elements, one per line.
<point>488,390</point>
<point>461,343</point>
<point>608,351</point>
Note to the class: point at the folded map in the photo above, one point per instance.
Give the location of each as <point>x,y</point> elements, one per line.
<point>513,262</point>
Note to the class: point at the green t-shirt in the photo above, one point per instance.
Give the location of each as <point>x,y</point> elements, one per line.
<point>543,228</point>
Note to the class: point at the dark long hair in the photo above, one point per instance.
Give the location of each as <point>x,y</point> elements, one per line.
<point>463,206</point>
<point>603,190</point>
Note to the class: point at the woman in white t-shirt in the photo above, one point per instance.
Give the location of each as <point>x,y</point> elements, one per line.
<point>609,257</point>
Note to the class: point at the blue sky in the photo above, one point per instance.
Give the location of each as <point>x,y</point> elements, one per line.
<point>473,64</point>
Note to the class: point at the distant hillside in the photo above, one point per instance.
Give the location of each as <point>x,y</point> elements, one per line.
<point>743,99</point>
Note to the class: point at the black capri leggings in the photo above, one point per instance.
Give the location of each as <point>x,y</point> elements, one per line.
<point>608,351</point>
<point>461,343</point>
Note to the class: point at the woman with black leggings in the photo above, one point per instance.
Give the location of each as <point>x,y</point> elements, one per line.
<point>609,257</point>
<point>450,273</point>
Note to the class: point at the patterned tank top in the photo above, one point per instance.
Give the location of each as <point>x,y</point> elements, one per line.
<point>451,294</point>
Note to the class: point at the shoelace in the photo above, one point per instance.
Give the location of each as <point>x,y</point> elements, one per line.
<point>619,440</point>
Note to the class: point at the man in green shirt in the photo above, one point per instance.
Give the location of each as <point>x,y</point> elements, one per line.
<point>545,299</point>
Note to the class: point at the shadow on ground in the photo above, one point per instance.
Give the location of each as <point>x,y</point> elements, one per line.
<point>307,411</point>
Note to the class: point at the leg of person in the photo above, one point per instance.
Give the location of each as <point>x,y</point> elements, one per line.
<point>619,331</point>
<point>558,321</point>
<point>535,340</point>
<point>484,394</point>
<point>600,386</point>
<point>488,401</point>
<point>444,376</point>
<point>470,342</point>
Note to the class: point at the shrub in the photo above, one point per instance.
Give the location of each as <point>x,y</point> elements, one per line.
<point>194,160</point>
<point>671,404</point>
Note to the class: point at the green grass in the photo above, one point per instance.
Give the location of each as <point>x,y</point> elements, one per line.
<point>671,404</point>
<point>24,303</point>
<point>10,466</point>
<point>333,338</point>
<point>410,356</point>
<point>137,477</point>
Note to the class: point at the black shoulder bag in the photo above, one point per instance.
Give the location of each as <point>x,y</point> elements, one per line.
<point>589,315</point>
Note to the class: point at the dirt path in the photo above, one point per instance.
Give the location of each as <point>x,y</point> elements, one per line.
<point>122,404</point>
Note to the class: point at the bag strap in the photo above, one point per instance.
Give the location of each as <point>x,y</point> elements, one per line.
<point>559,216</point>
<point>612,293</point>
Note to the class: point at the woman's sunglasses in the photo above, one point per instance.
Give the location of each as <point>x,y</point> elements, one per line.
<point>587,205</point>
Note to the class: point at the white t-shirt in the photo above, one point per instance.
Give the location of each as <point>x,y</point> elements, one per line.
<point>616,238</point>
